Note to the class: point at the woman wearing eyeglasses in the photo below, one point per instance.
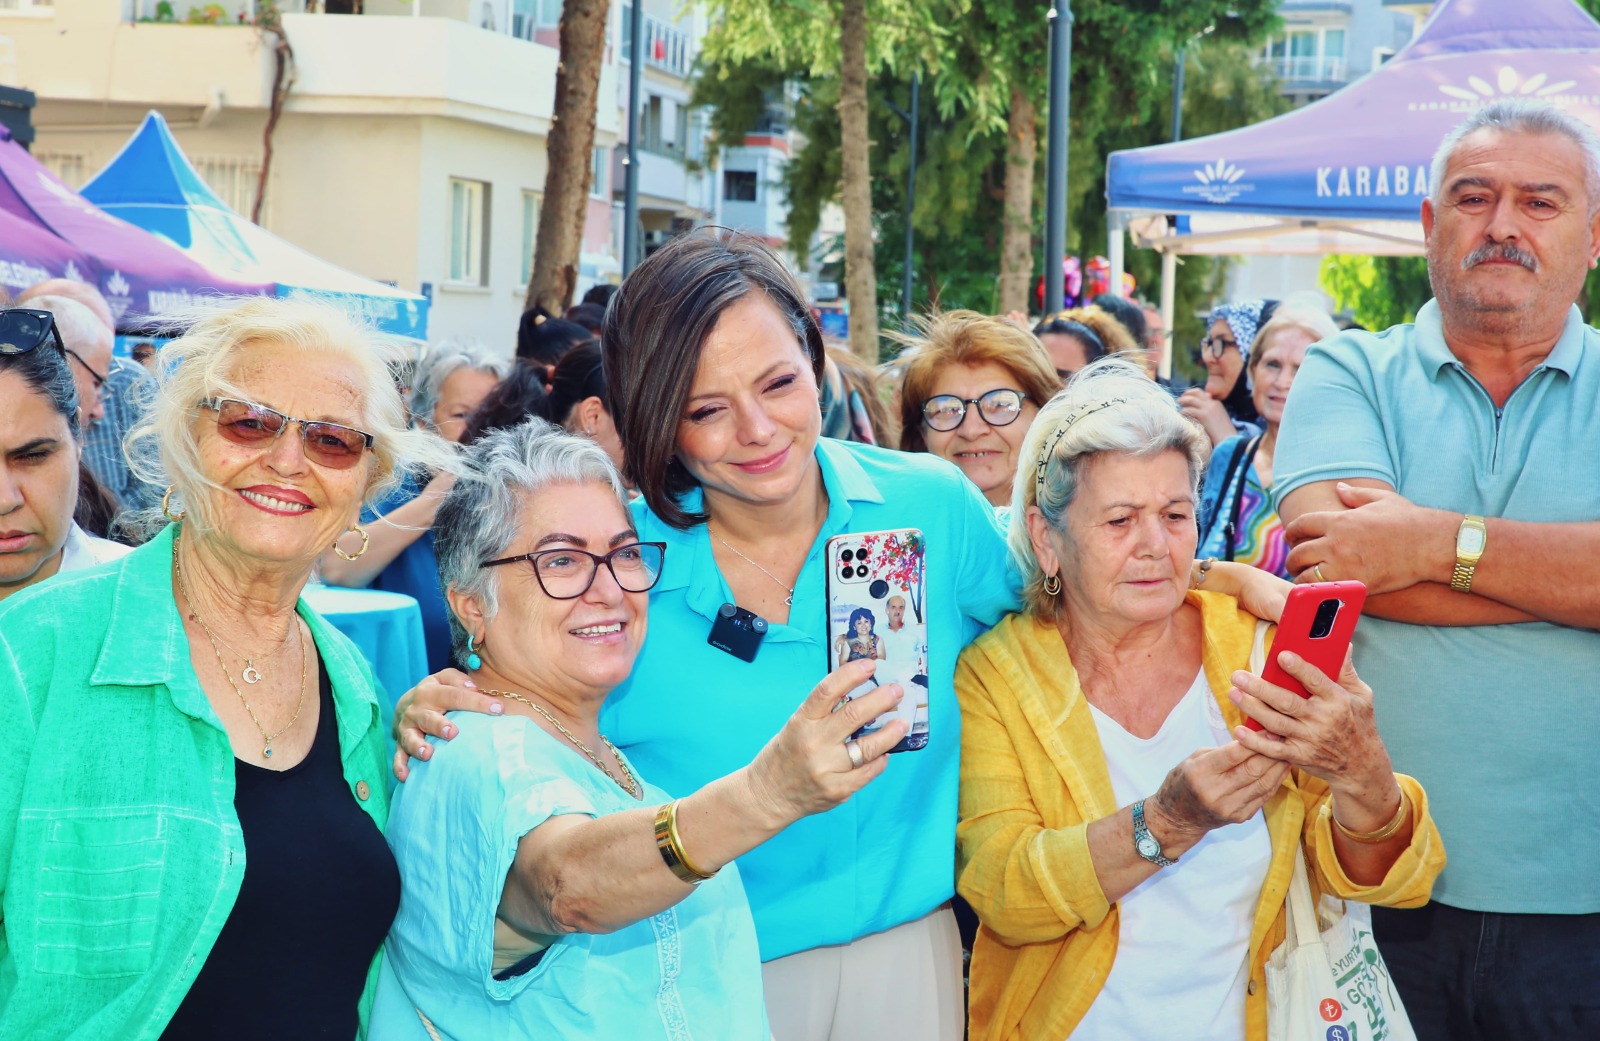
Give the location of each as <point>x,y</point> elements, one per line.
<point>969,393</point>
<point>40,453</point>
<point>191,802</point>
<point>1224,407</point>
<point>550,888</point>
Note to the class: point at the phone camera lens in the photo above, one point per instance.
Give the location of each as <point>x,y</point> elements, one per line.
<point>861,572</point>
<point>847,555</point>
<point>846,571</point>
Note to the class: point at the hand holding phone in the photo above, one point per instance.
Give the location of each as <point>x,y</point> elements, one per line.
<point>1318,624</point>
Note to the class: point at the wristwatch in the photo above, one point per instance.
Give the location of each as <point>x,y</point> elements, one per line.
<point>1144,843</point>
<point>1471,538</point>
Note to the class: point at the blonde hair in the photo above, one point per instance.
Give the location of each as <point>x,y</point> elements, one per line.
<point>1306,318</point>
<point>1109,406</point>
<point>970,339</point>
<point>1112,333</point>
<point>163,449</point>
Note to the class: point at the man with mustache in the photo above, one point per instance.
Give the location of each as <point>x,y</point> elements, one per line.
<point>1449,465</point>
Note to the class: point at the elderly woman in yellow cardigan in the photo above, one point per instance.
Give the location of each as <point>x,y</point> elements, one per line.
<point>1126,843</point>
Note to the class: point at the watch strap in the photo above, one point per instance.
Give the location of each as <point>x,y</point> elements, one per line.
<point>1466,565</point>
<point>1461,577</point>
<point>1141,833</point>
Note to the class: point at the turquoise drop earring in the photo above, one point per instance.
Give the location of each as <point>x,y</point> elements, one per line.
<point>474,663</point>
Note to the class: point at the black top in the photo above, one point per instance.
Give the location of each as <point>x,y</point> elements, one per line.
<point>319,892</point>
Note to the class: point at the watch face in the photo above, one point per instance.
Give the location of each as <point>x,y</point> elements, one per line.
<point>1149,847</point>
<point>1469,542</point>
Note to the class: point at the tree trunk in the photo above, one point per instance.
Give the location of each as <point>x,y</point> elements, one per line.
<point>569,151</point>
<point>860,274</point>
<point>1016,250</point>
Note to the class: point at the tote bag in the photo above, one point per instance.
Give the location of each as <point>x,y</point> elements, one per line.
<point>1327,981</point>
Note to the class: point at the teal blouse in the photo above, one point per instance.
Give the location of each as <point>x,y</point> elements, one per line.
<point>120,851</point>
<point>691,713</point>
<point>689,972</point>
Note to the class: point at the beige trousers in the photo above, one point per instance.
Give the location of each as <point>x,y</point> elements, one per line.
<point>903,984</point>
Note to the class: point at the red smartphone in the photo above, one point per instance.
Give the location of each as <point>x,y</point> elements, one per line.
<point>1318,624</point>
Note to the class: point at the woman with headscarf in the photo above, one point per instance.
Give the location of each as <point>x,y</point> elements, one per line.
<point>1223,406</point>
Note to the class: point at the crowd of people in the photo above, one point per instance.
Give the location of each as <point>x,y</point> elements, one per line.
<point>590,820</point>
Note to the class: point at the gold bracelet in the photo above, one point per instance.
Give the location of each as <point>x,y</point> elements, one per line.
<point>671,846</point>
<point>1383,834</point>
<point>1199,578</point>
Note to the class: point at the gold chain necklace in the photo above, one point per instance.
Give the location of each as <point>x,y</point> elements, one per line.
<point>194,612</point>
<point>788,600</point>
<point>251,674</point>
<point>628,783</point>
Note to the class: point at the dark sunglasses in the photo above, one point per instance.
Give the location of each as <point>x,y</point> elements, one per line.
<point>999,408</point>
<point>23,329</point>
<point>333,445</point>
<point>566,574</point>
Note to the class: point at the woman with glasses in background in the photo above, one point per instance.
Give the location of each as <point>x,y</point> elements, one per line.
<point>192,801</point>
<point>969,392</point>
<point>40,453</point>
<point>1224,406</point>
<point>549,888</point>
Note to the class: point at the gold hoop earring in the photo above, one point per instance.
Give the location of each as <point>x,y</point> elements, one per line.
<point>166,505</point>
<point>1052,585</point>
<point>365,538</point>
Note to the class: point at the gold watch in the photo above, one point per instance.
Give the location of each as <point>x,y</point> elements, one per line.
<point>1471,538</point>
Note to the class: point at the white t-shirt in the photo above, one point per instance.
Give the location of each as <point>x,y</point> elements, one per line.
<point>904,654</point>
<point>83,550</point>
<point>1183,942</point>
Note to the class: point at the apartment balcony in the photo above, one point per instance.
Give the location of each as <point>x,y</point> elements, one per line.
<point>356,65</point>
<point>664,181</point>
<point>1309,73</point>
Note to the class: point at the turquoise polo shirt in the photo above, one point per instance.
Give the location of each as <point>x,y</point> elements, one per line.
<point>1497,722</point>
<point>691,713</point>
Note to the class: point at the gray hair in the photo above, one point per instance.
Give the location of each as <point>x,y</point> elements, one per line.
<point>482,515</point>
<point>439,363</point>
<point>1522,116</point>
<point>1109,406</point>
<point>80,327</point>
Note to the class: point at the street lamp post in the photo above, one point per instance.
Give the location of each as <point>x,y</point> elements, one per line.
<point>911,201</point>
<point>1055,230</point>
<point>630,203</point>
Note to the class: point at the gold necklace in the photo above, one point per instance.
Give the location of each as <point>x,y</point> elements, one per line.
<point>788,600</point>
<point>266,738</point>
<point>251,674</point>
<point>628,783</point>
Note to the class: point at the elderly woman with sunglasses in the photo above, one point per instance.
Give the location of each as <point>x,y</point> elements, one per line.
<point>969,392</point>
<point>193,794</point>
<point>40,449</point>
<point>549,889</point>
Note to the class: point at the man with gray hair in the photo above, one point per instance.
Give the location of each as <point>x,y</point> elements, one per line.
<point>1441,463</point>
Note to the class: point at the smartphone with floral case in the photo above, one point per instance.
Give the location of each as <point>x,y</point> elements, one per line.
<point>876,581</point>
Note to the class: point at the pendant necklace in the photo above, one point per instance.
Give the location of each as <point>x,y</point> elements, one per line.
<point>788,600</point>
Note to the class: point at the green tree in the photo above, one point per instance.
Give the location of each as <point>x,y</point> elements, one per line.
<point>1377,291</point>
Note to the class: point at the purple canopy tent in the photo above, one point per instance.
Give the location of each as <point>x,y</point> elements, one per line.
<point>29,254</point>
<point>1348,174</point>
<point>140,275</point>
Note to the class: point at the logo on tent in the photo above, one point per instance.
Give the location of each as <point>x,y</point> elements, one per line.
<point>72,272</point>
<point>1219,182</point>
<point>1508,83</point>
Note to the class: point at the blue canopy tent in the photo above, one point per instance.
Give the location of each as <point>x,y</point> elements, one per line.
<point>150,183</point>
<point>1348,174</point>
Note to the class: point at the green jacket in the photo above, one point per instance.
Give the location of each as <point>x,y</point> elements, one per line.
<point>120,851</point>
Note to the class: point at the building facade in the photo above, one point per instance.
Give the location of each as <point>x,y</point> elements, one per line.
<point>411,144</point>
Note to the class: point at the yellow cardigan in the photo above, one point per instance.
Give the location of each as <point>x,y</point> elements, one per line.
<point>1033,776</point>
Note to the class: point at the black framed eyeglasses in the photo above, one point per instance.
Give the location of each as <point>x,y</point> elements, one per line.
<point>566,574</point>
<point>1214,347</point>
<point>23,329</point>
<point>999,407</point>
<point>333,445</point>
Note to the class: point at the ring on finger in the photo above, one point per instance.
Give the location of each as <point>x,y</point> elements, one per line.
<point>1316,571</point>
<point>857,760</point>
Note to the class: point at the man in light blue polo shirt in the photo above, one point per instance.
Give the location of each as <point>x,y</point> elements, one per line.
<point>1451,465</point>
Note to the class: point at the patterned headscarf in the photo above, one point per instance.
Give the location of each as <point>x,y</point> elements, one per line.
<point>1244,318</point>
